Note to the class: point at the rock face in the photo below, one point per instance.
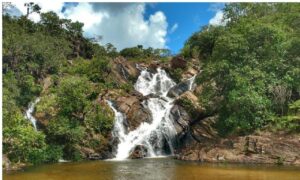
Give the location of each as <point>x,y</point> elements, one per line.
<point>124,71</point>
<point>181,120</point>
<point>188,95</point>
<point>179,88</point>
<point>203,130</point>
<point>198,140</point>
<point>262,147</point>
<point>139,152</point>
<point>134,110</point>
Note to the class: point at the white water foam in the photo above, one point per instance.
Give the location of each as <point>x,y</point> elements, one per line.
<point>28,114</point>
<point>161,130</point>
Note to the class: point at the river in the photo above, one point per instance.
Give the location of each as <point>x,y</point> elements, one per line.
<point>154,169</point>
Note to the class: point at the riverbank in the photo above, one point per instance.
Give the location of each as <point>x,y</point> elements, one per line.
<point>259,148</point>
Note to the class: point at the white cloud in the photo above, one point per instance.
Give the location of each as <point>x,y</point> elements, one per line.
<point>174,27</point>
<point>84,13</point>
<point>217,20</point>
<point>46,6</point>
<point>122,24</point>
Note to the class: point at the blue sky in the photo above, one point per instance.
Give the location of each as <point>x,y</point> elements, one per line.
<point>190,17</point>
<point>157,25</point>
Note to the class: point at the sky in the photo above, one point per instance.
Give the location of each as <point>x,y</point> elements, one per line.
<point>157,25</point>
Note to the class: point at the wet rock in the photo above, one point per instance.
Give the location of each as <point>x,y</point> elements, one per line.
<point>134,111</point>
<point>94,156</point>
<point>139,151</point>
<point>151,95</point>
<point>181,120</point>
<point>179,88</point>
<point>153,67</point>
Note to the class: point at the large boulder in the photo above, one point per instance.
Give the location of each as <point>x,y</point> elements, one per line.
<point>204,130</point>
<point>134,110</point>
<point>138,152</point>
<point>181,120</point>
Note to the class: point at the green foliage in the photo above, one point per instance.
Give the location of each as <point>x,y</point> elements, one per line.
<point>100,119</point>
<point>72,95</point>
<point>175,74</point>
<point>23,143</point>
<point>290,122</point>
<point>134,52</point>
<point>188,106</point>
<point>127,87</point>
<point>79,69</point>
<point>98,69</point>
<point>250,66</point>
<point>64,131</point>
<point>53,153</point>
<point>47,104</point>
<point>29,89</point>
<point>201,44</point>
<point>142,55</point>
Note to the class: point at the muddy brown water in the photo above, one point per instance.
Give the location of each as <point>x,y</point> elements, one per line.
<point>154,169</point>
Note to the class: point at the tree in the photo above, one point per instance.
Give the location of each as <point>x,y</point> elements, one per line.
<point>72,97</point>
<point>51,23</point>
<point>241,61</point>
<point>31,8</point>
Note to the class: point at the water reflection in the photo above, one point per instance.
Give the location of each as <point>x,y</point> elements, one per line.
<point>144,169</point>
<point>154,169</point>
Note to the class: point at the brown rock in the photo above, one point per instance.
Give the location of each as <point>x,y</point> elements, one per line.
<point>262,147</point>
<point>123,70</point>
<point>5,162</point>
<point>191,97</point>
<point>181,120</point>
<point>190,72</point>
<point>134,110</point>
<point>203,129</point>
<point>139,151</point>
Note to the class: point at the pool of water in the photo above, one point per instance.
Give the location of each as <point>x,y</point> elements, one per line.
<point>154,169</point>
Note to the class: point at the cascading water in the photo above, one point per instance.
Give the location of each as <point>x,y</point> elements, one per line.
<point>191,82</point>
<point>28,114</point>
<point>153,136</point>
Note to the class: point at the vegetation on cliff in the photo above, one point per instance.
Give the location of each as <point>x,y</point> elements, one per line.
<point>250,66</point>
<point>51,59</point>
<point>250,72</point>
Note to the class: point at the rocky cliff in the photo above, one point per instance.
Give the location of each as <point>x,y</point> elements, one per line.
<point>196,137</point>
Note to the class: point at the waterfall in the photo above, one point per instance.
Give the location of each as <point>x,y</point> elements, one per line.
<point>28,114</point>
<point>160,131</point>
<point>191,82</point>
